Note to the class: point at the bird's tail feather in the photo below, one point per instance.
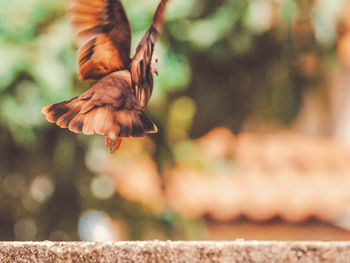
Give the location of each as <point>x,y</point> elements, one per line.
<point>114,124</point>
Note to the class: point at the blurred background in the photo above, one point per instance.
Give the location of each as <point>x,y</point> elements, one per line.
<point>253,109</point>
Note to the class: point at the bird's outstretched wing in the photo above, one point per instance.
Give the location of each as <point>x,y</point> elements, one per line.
<point>140,67</point>
<point>102,35</point>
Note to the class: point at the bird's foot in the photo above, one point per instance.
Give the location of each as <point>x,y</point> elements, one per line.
<point>113,144</point>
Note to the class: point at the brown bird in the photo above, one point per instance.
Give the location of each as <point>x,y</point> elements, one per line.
<point>114,105</point>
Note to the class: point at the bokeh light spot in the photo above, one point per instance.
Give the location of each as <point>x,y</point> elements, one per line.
<point>41,188</point>
<point>96,226</point>
<point>102,187</point>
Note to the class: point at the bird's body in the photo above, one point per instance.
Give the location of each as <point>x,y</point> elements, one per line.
<point>113,105</point>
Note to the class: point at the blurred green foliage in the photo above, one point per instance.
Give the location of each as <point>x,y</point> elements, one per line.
<point>222,63</point>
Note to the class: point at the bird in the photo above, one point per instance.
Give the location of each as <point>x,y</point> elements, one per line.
<point>121,86</point>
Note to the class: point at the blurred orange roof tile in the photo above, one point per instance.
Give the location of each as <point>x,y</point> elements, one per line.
<point>278,174</point>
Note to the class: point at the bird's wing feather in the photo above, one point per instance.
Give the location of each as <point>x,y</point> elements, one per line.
<point>140,66</point>
<point>103,36</point>
<point>109,108</point>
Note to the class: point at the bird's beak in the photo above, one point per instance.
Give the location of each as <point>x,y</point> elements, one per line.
<point>156,72</point>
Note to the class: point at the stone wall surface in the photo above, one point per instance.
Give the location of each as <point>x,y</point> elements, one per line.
<point>175,251</point>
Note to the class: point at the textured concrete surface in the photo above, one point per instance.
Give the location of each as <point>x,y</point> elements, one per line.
<point>168,251</point>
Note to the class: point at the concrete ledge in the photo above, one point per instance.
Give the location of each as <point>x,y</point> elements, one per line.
<point>169,251</point>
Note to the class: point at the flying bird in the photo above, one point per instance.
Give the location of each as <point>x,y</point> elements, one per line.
<point>114,105</point>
